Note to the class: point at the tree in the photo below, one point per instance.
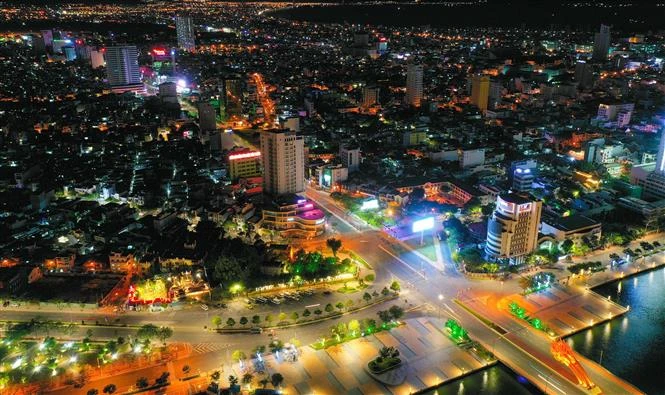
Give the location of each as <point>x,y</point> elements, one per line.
<point>163,379</point>
<point>238,356</point>
<point>243,321</point>
<point>367,297</point>
<point>395,286</point>
<point>216,375</point>
<point>354,326</point>
<point>247,378</point>
<point>384,315</point>
<point>385,291</point>
<point>92,391</point>
<point>269,318</point>
<point>256,320</point>
<point>318,312</point>
<point>306,313</point>
<point>216,321</point>
<point>142,382</point>
<point>567,246</point>
<point>334,245</point>
<point>164,333</point>
<point>329,308</point>
<point>233,380</point>
<point>349,303</point>
<point>294,316</point>
<point>282,316</point>
<point>276,345</point>
<point>276,379</point>
<point>264,382</point>
<point>339,306</point>
<point>396,312</point>
<point>109,389</point>
<point>230,322</point>
<point>147,332</point>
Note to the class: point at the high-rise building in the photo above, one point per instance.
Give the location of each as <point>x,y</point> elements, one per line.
<point>283,154</point>
<point>185,31</point>
<point>370,95</point>
<point>584,74</point>
<point>480,90</point>
<point>414,84</point>
<point>523,174</point>
<point>601,44</point>
<point>350,157</point>
<point>122,68</point>
<point>207,117</point>
<point>660,157</point>
<point>47,35</point>
<point>512,231</point>
<point>97,58</point>
<point>244,163</point>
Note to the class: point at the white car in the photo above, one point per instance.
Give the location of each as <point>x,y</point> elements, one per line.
<point>204,307</point>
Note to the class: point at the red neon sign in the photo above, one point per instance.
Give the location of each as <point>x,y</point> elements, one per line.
<point>253,154</point>
<point>159,51</point>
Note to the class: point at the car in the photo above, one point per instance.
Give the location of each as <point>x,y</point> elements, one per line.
<point>256,330</point>
<point>204,307</point>
<point>327,292</point>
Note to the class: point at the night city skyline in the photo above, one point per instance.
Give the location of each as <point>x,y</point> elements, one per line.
<point>437,197</point>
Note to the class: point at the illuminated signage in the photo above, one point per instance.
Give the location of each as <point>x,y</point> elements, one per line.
<point>423,224</point>
<point>245,155</point>
<point>159,51</point>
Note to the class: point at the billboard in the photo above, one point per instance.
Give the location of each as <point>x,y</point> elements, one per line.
<point>422,224</point>
<point>371,204</point>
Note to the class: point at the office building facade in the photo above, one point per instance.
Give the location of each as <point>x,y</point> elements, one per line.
<point>414,85</point>
<point>283,154</point>
<point>185,32</point>
<point>512,231</point>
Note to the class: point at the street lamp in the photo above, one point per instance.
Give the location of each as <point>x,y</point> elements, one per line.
<point>440,302</point>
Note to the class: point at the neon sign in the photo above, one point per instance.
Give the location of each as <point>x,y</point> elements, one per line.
<point>246,155</point>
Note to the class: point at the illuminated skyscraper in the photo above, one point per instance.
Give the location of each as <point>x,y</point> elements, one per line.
<point>512,231</point>
<point>660,158</point>
<point>185,30</point>
<point>122,68</point>
<point>601,44</point>
<point>414,84</point>
<point>283,155</point>
<point>480,91</point>
<point>231,88</point>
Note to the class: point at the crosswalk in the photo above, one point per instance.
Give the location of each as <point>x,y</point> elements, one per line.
<point>202,348</point>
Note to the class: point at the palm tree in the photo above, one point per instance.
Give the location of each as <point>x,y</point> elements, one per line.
<point>264,382</point>
<point>95,391</point>
<point>109,389</point>
<point>334,245</point>
<point>233,380</point>
<point>247,379</point>
<point>276,379</point>
<point>142,382</point>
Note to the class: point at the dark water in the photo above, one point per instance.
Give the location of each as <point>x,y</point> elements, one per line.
<point>633,346</point>
<point>516,13</point>
<point>497,380</point>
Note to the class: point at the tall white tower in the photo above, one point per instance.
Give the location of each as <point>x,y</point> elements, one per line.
<point>283,155</point>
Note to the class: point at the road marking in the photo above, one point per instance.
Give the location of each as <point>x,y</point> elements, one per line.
<point>550,383</point>
<point>399,259</point>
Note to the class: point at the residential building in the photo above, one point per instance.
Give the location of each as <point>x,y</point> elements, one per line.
<point>480,89</point>
<point>350,157</point>
<point>122,69</point>
<point>414,85</point>
<point>244,163</point>
<point>185,32</point>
